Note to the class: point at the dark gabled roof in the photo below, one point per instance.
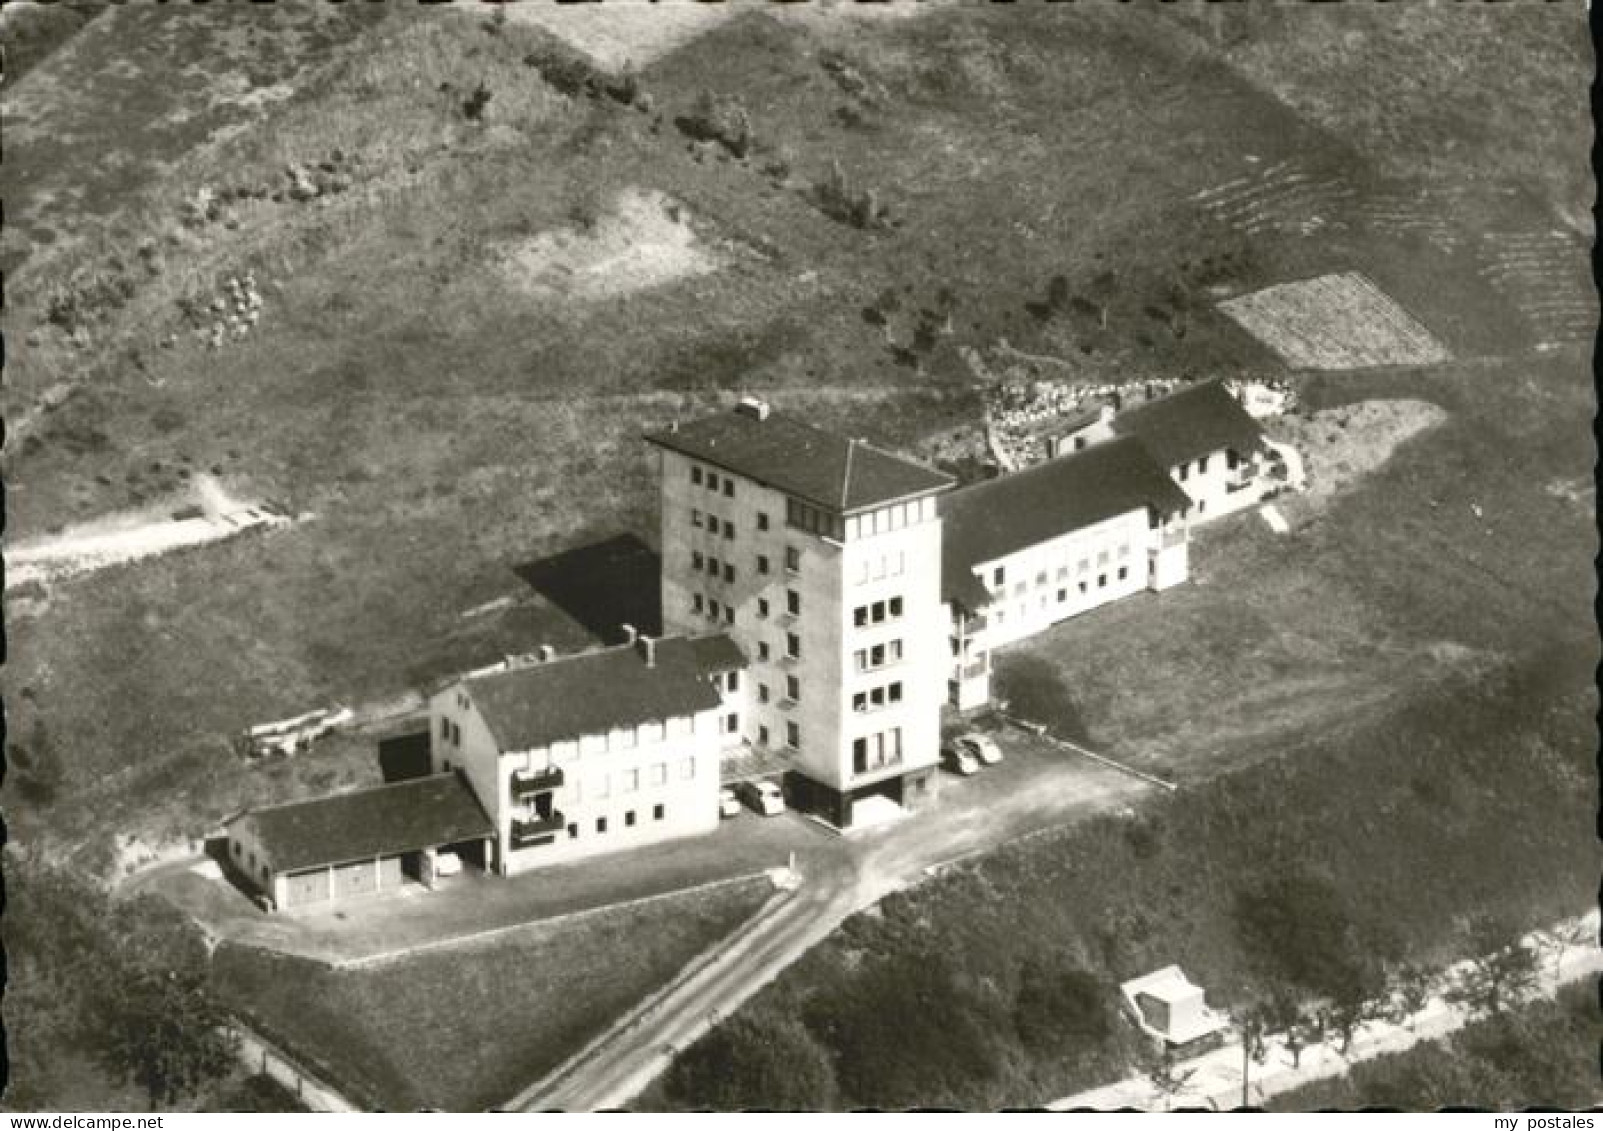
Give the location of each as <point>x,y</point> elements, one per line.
<point>1191,423</point>
<point>1001,516</point>
<point>717,653</point>
<point>595,692</point>
<point>792,456</point>
<point>382,821</point>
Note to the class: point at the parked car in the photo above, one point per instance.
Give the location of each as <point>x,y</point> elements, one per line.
<point>982,746</point>
<point>447,864</point>
<point>763,797</point>
<point>959,761</point>
<point>728,803</point>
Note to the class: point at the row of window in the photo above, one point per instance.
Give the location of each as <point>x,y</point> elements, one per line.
<point>1103,557</point>
<point>887,565</point>
<point>450,732</point>
<point>877,612</point>
<point>879,656</point>
<point>712,524</point>
<point>877,751</point>
<point>658,812</point>
<point>792,690</point>
<point>1184,469</point>
<point>600,785</point>
<point>712,481</point>
<point>877,698</point>
<point>706,563</point>
<point>712,607</point>
<point>999,615</point>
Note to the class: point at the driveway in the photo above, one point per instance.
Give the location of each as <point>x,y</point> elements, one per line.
<point>1035,789</point>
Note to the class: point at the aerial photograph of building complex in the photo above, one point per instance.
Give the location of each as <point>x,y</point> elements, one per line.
<point>805,556</point>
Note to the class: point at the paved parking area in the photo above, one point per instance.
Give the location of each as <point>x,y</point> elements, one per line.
<point>1037,786</point>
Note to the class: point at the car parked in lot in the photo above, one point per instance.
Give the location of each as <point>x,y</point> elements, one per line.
<point>728,803</point>
<point>763,796</point>
<point>959,761</point>
<point>982,746</point>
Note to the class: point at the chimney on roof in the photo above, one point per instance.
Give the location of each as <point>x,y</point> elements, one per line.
<point>629,634</point>
<point>754,407</point>
<point>647,647</point>
<point>547,653</point>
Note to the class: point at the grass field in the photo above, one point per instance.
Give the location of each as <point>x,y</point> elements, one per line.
<point>466,1028</point>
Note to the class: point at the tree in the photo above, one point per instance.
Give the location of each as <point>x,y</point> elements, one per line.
<point>1411,986</point>
<point>1102,290</point>
<point>1299,1026</point>
<point>1503,971</point>
<point>1058,1004</point>
<point>1252,1024</point>
<point>1164,1073</point>
<point>755,1060</point>
<point>156,1020</point>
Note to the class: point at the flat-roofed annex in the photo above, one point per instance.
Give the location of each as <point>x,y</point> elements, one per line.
<point>778,450</point>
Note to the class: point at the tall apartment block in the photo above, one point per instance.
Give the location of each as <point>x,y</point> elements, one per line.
<point>821,557</point>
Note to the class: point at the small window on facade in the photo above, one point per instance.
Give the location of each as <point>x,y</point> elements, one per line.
<point>446,765</point>
<point>860,616</point>
<point>763,651</point>
<point>712,481</point>
<point>1185,470</point>
<point>729,614</point>
<point>895,693</point>
<point>793,736</point>
<point>732,683</point>
<point>762,520</point>
<point>762,606</point>
<point>1082,587</point>
<point>237,848</point>
<point>792,645</point>
<point>860,701</point>
<point>715,609</point>
<point>762,564</point>
<point>793,688</point>
<point>732,722</point>
<point>1063,595</point>
<point>999,575</point>
<point>729,573</point>
<point>601,824</point>
<point>695,517</point>
<point>762,736</point>
<point>729,488</point>
<point>729,530</point>
<point>658,812</point>
<point>629,819</point>
<point>793,602</point>
<point>1124,572</point>
<point>696,560</point>
<point>696,603</point>
<point>712,523</point>
<point>1101,580</point>
<point>695,475</point>
<point>896,606</point>
<point>792,559</point>
<point>573,832</point>
<point>1202,466</point>
<point>762,696</point>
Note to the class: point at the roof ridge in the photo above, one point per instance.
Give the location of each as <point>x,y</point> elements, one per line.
<point>846,476</point>
<point>335,796</point>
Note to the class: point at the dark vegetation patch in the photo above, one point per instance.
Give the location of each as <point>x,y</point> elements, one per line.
<point>1311,875</point>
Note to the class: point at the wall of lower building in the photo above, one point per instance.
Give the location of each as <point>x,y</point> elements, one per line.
<point>247,856</point>
<point>1208,482</point>
<point>629,789</point>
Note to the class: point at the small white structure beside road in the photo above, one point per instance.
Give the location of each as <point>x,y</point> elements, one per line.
<point>1170,1008</point>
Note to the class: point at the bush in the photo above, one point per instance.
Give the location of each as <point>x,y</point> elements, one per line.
<point>904,1032</point>
<point>1059,1005</point>
<point>1034,690</point>
<point>840,200</point>
<point>756,1060</point>
<point>719,119</point>
<point>1295,927</point>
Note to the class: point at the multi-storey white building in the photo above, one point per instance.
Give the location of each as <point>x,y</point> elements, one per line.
<point>821,556</point>
<point>579,755</point>
<point>1025,551</point>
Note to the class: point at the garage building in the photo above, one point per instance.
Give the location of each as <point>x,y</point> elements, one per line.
<point>363,843</point>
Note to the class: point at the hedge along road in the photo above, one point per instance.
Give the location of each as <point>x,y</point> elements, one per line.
<point>1035,790</point>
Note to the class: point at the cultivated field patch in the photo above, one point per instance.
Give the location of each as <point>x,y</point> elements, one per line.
<point>1545,275</point>
<point>1337,322</point>
<point>644,240</point>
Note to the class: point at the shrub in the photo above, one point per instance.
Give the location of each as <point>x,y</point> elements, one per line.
<point>1059,1005</point>
<point>719,119</point>
<point>906,1030</point>
<point>840,200</point>
<point>1033,689</point>
<point>755,1060</point>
